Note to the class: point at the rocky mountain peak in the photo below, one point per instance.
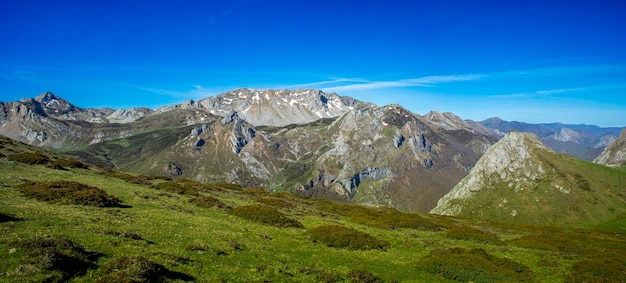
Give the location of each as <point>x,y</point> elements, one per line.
<point>52,104</point>
<point>615,153</point>
<point>278,107</point>
<point>447,120</point>
<point>510,161</point>
<point>567,135</point>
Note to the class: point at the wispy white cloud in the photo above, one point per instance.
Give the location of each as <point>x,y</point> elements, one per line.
<point>357,84</point>
<point>548,92</point>
<point>197,92</point>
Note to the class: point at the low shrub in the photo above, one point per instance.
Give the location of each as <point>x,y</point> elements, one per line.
<point>135,179</point>
<point>59,254</point>
<point>604,267</point>
<point>474,265</point>
<point>474,235</point>
<point>363,276</point>
<point>337,236</point>
<point>266,215</point>
<point>68,192</point>
<point>273,201</point>
<point>138,269</point>
<point>552,241</point>
<point>229,186</point>
<point>386,218</point>
<point>255,192</point>
<point>186,187</point>
<point>29,158</point>
<point>68,163</point>
<point>210,202</point>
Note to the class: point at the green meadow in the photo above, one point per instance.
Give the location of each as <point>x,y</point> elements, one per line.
<point>153,229</point>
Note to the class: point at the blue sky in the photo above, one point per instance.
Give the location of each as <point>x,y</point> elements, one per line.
<point>532,61</point>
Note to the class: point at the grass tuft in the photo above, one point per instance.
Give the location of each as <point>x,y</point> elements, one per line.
<point>343,237</point>
<point>266,215</point>
<point>68,192</point>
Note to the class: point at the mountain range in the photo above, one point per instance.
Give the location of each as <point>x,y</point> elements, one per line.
<point>305,141</point>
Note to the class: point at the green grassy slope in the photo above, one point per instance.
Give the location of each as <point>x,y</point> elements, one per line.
<point>158,232</point>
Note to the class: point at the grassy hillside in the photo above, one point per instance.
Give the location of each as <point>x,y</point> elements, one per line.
<point>186,231</point>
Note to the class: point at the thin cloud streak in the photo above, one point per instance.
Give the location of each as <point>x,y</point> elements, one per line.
<point>549,92</point>
<point>427,81</point>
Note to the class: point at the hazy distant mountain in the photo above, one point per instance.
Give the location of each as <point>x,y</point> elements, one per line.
<point>615,153</point>
<point>582,141</point>
<point>520,180</point>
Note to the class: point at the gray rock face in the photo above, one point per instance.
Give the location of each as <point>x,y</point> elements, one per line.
<point>509,161</point>
<point>615,153</point>
<point>377,153</point>
<point>568,135</point>
<point>125,116</point>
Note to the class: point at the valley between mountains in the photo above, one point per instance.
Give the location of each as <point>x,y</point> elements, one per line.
<point>304,186</point>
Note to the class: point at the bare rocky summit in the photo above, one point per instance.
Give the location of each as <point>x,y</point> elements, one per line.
<point>278,107</point>
<point>615,153</point>
<point>509,161</point>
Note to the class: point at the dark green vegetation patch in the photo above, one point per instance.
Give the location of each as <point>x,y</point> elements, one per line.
<point>187,187</point>
<point>472,234</point>
<point>64,163</point>
<point>68,192</point>
<point>55,259</point>
<point>138,269</point>
<point>210,202</point>
<point>266,215</point>
<point>475,265</point>
<point>29,158</point>
<point>7,218</point>
<point>337,236</point>
<point>603,267</point>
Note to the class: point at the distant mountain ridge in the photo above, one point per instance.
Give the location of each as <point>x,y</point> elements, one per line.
<point>582,141</point>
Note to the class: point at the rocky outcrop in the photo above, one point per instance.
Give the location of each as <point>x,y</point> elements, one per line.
<point>125,116</point>
<point>508,163</point>
<point>390,156</point>
<point>568,135</point>
<point>615,153</point>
